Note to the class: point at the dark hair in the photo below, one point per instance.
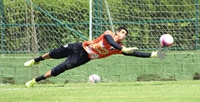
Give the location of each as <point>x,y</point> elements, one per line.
<point>120,28</point>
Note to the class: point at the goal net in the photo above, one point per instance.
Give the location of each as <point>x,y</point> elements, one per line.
<point>30,28</point>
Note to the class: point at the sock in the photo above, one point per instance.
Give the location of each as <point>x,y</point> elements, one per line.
<point>39,59</point>
<point>40,78</point>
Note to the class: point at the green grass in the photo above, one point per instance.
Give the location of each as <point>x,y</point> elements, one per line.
<point>170,91</point>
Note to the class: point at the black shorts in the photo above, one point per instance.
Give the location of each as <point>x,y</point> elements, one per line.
<point>75,55</point>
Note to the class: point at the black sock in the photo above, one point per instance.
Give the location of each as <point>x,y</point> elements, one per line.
<point>40,78</point>
<point>39,59</point>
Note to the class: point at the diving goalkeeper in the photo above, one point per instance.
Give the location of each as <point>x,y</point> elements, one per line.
<point>109,43</point>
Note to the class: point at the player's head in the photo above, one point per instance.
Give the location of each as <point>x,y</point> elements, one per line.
<point>122,28</point>
<point>122,32</point>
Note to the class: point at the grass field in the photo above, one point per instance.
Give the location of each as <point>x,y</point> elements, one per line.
<point>168,91</point>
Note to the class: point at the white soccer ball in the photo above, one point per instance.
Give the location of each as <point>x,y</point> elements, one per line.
<point>94,78</point>
<point>166,40</point>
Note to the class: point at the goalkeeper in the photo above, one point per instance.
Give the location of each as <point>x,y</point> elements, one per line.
<point>77,54</point>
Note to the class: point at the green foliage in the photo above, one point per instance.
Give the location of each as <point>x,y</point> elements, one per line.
<point>8,80</point>
<point>46,82</point>
<point>196,76</point>
<point>148,77</point>
<point>154,77</point>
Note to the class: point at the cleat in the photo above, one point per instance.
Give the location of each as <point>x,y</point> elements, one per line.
<point>30,83</point>
<point>30,63</point>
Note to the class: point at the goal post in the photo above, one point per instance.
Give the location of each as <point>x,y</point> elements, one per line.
<point>48,25</point>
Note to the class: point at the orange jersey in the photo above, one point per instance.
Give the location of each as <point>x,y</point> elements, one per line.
<point>99,47</point>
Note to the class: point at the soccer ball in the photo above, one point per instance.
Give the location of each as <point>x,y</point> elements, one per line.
<point>166,40</point>
<point>94,78</point>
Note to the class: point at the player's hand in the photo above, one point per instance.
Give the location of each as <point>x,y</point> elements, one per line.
<point>129,50</point>
<point>159,54</point>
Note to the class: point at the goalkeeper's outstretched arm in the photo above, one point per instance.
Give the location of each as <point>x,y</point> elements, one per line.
<point>139,54</point>
<point>154,54</point>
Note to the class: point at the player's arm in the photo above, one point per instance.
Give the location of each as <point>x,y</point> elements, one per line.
<point>154,54</point>
<point>139,54</point>
<point>111,41</point>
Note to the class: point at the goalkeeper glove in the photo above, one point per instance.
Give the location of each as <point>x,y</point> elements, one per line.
<point>158,54</point>
<point>128,50</point>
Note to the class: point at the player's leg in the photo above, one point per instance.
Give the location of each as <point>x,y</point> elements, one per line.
<point>58,53</point>
<point>60,68</point>
<point>72,61</point>
<point>68,64</point>
<point>37,60</point>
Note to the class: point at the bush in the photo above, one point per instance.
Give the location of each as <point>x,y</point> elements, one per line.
<point>46,82</point>
<point>8,80</point>
<point>154,77</point>
<point>196,76</point>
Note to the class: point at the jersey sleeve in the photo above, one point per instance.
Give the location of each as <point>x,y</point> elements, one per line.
<point>112,42</point>
<point>139,54</point>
